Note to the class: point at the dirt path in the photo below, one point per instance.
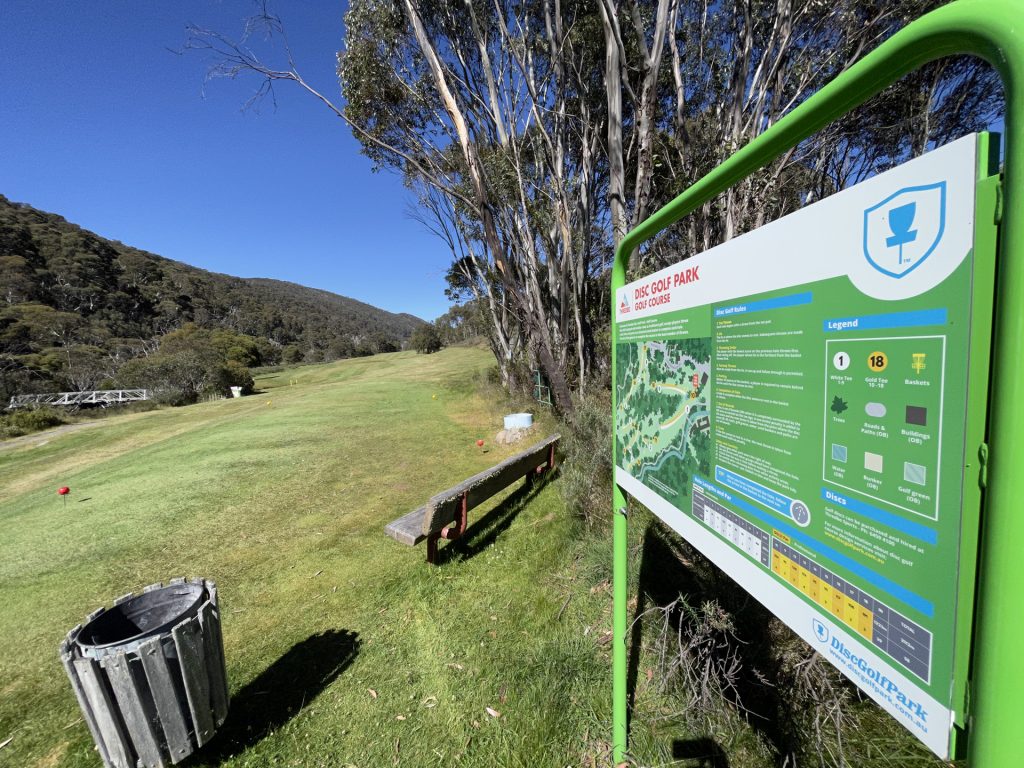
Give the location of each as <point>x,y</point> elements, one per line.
<point>42,438</point>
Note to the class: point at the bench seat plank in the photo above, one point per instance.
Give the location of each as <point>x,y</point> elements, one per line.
<point>444,508</point>
<point>408,529</point>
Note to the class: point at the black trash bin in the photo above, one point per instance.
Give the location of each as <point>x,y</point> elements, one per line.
<point>149,674</point>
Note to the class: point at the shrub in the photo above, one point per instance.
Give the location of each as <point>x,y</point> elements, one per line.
<point>725,655</point>
<point>381,342</point>
<point>24,421</point>
<point>340,348</point>
<point>234,374</point>
<point>183,376</point>
<point>426,339</point>
<point>587,469</point>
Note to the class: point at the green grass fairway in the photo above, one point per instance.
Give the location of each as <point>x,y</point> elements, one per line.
<point>343,647</point>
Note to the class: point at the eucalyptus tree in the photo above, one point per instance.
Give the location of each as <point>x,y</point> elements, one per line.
<point>691,81</point>
<point>472,281</point>
<point>488,108</point>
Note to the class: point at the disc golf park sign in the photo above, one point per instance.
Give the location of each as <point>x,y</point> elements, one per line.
<point>809,406</point>
<point>792,403</point>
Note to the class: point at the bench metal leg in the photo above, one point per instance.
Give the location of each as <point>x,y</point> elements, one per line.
<point>546,467</point>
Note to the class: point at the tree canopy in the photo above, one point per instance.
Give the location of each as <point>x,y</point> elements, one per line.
<point>537,133</point>
<point>426,339</point>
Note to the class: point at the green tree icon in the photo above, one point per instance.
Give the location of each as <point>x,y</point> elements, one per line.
<point>838,404</point>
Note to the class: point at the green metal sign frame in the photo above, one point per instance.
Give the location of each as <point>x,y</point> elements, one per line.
<point>994,31</point>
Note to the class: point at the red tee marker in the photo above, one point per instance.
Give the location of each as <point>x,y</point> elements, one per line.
<point>63,492</point>
<point>479,443</point>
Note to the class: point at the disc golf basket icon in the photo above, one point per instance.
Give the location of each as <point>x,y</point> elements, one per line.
<point>901,218</point>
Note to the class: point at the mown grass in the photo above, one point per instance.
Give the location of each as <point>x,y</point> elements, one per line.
<point>343,647</point>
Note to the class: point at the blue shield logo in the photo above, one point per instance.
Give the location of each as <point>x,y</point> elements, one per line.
<point>820,630</point>
<point>902,231</point>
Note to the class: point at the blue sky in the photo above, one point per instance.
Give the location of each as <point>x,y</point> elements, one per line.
<point>102,124</point>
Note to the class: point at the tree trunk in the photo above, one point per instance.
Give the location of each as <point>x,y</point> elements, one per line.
<point>613,85</point>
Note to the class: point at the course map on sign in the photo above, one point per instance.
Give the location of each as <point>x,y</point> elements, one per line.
<point>664,408</point>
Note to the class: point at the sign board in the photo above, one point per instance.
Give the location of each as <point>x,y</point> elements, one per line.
<point>806,405</point>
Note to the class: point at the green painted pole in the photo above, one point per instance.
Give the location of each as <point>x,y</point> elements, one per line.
<point>994,31</point>
<point>620,590</point>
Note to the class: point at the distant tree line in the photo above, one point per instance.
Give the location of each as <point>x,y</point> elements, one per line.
<point>81,312</point>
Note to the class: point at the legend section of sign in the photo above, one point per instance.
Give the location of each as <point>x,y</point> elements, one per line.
<point>747,536</point>
<point>907,643</point>
<point>883,419</point>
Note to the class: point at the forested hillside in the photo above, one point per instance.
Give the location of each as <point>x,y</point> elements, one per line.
<point>76,307</point>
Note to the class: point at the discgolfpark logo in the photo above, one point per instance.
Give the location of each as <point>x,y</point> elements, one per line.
<point>820,631</point>
<point>905,228</point>
<point>862,667</point>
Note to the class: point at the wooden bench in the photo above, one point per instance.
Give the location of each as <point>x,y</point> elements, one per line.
<point>445,516</point>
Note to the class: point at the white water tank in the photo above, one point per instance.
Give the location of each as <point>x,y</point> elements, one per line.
<point>519,421</point>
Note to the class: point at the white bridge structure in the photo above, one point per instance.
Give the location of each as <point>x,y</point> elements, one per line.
<point>102,397</point>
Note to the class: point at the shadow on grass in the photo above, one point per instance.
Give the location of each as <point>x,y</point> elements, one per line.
<point>485,531</point>
<point>668,569</point>
<point>700,753</point>
<point>655,587</point>
<point>280,692</point>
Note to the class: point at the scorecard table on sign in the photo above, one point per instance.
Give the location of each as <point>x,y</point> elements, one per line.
<point>730,526</point>
<point>889,631</point>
